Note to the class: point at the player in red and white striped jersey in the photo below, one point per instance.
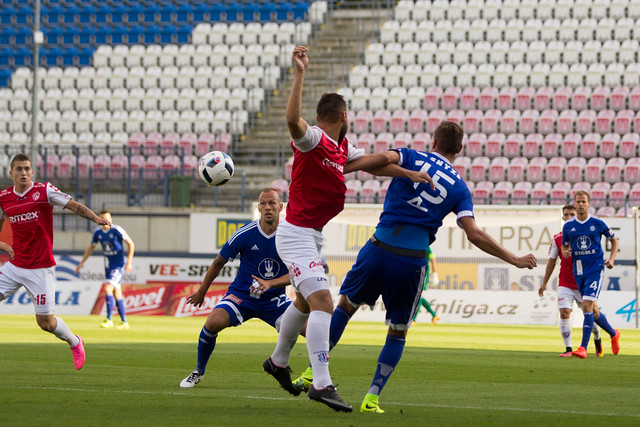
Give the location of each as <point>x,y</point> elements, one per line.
<point>322,155</point>
<point>28,206</point>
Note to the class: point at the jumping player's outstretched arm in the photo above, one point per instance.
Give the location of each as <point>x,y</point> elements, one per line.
<point>486,243</point>
<point>83,211</point>
<point>297,125</point>
<point>197,298</point>
<point>385,164</point>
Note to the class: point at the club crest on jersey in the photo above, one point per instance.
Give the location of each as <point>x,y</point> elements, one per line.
<point>268,268</point>
<point>294,270</point>
<point>35,196</point>
<point>584,242</point>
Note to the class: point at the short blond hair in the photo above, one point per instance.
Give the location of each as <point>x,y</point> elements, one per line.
<point>582,193</point>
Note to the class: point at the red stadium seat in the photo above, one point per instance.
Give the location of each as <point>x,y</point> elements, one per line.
<point>353,190</point>
<point>502,193</point>
<point>383,189</point>
<point>490,121</point>
<point>585,122</point>
<point>136,142</point>
<point>170,143</point>
<point>613,169</point>
<point>547,122</point>
<point>575,169</point>
<point>609,145</point>
<point>524,98</point>
<point>536,169</point>
<point>532,145</point>
<point>570,145</point>
<point>171,163</point>
<point>482,192</point>
<point>599,194</point>
<point>487,98</point>
<point>540,192</point>
<point>369,191</point>
<point>604,121</point>
<point>402,140</point>
<point>634,194</point>
<point>469,98</point>
<point>629,145</point>
<point>506,98</point>
<point>632,170</point>
<point>498,169</point>
<point>366,141</point>
<point>606,212</point>
<point>542,99</point>
<point>66,166</point>
<point>521,192</point>
<point>510,121</point>
<point>417,121</point>
<point>282,185</point>
<point>529,121</point>
<point>432,98</point>
<point>494,145</point>
<point>421,142</point>
<point>472,121</point>
<point>188,142</point>
<point>589,145</point>
<point>567,121</point>
<point>580,186</point>
<point>600,98</point>
<point>380,121</point>
<point>476,144</point>
<point>362,121</point>
<point>205,143</point>
<point>556,169</point>
<point>562,98</point>
<point>619,97</point>
<point>152,167</point>
<point>479,169</point>
<point>398,121</point>
<point>85,163</point>
<point>434,119</point>
<point>623,121</point>
<point>462,164</point>
<point>152,143</point>
<point>455,116</point>
<point>634,99</point>
<point>517,168</point>
<point>551,145</point>
<point>191,166</point>
<point>100,166</point>
<point>580,98</point>
<point>450,98</point>
<point>560,193</point>
<point>594,169</point>
<point>513,145</point>
<point>383,142</point>
<point>223,142</point>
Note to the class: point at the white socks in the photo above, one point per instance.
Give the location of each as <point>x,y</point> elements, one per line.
<point>292,323</point>
<point>596,331</point>
<point>318,347</point>
<point>565,331</point>
<point>63,332</point>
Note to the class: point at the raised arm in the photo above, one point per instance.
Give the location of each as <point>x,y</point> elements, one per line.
<point>83,211</point>
<point>385,164</point>
<point>297,125</point>
<point>197,298</point>
<point>487,244</point>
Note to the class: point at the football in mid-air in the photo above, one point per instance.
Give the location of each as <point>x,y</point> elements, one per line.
<point>215,168</point>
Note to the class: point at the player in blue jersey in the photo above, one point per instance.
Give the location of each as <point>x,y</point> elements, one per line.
<point>115,266</point>
<point>393,263</point>
<point>258,289</point>
<point>581,237</point>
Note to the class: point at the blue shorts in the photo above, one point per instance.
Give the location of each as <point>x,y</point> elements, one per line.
<point>590,285</point>
<point>114,276</point>
<point>243,307</point>
<point>398,279</point>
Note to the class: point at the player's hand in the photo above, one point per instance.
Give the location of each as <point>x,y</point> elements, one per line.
<point>196,299</point>
<point>78,268</point>
<point>8,249</point>
<point>102,221</point>
<point>542,289</point>
<point>265,285</point>
<point>609,263</point>
<point>527,261</point>
<point>422,177</point>
<point>434,280</point>
<point>300,58</point>
<point>566,253</point>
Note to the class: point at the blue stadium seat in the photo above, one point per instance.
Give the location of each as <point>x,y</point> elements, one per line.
<point>54,15</point>
<point>184,13</point>
<point>53,36</point>
<point>22,57</point>
<point>284,12</point>
<point>7,35</point>
<point>87,15</point>
<point>84,59</point>
<point>70,15</point>
<point>6,3</point>
<point>184,32</point>
<point>102,15</point>
<point>134,13</point>
<point>7,15</point>
<point>168,34</point>
<point>215,13</point>
<point>23,37</point>
<point>151,34</point>
<point>103,34</point>
<point>70,36</point>
<point>151,14</point>
<point>5,77</point>
<point>24,15</point>
<point>118,13</point>
<point>168,13</point>
<point>87,36</point>
<point>70,56</point>
<point>300,10</point>
<point>234,10</point>
<point>53,56</point>
<point>118,34</point>
<point>6,56</point>
<point>201,12</point>
<point>267,11</point>
<point>135,34</point>
<point>250,11</point>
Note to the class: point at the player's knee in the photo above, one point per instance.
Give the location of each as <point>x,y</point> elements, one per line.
<point>46,323</point>
<point>565,313</point>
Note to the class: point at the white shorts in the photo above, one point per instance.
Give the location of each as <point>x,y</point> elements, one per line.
<point>39,283</point>
<point>567,296</point>
<point>300,249</point>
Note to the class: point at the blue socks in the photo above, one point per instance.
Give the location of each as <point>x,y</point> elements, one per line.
<point>120,305</point>
<point>110,303</point>
<point>339,321</point>
<point>206,344</point>
<point>387,362</point>
<point>587,327</point>
<point>604,324</point>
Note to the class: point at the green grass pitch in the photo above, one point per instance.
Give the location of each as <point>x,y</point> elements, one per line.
<point>449,375</point>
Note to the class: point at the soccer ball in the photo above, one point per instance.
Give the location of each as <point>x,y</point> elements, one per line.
<point>215,168</point>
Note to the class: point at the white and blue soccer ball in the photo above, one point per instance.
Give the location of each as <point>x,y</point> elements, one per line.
<point>215,168</point>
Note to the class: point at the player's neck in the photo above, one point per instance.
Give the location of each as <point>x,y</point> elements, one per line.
<point>582,218</point>
<point>331,129</point>
<point>269,229</point>
<point>22,188</point>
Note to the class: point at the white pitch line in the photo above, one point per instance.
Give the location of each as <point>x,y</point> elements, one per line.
<point>420,405</point>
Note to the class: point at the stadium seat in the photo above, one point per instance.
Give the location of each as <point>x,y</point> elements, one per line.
<point>609,145</point>
<point>634,194</point>
<point>366,141</point>
<point>501,194</point>
<point>362,121</point>
<point>450,98</point>
<point>566,121</point>
<point>551,145</point>
<point>472,121</point>
<point>353,190</point>
<point>599,194</point>
<point>421,141</point>
<point>529,121</point>
<point>629,145</point>
<point>517,169</point>
<point>482,192</point>
<point>594,169</point>
<point>498,169</point>
<point>536,169</point>
<point>434,119</point>
<point>475,145</point>
<point>560,193</point>
<point>488,96</point>
<point>383,142</point>
<point>556,169</point>
<point>532,145</point>
<point>494,145</point>
<point>402,140</point>
<point>509,122</point>
<point>398,121</point>
<point>522,191</point>
<point>513,145</point>
<point>479,168</point>
<point>491,121</point>
<point>432,98</point>
<point>380,121</point>
<point>575,169</point>
<point>547,122</point>
<point>585,123</point>
<point>580,186</point>
<point>613,169</point>
<point>417,120</point>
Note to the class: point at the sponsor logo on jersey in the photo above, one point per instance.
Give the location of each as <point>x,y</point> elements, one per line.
<point>233,298</point>
<point>255,248</point>
<point>316,263</point>
<point>332,164</point>
<point>25,217</point>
